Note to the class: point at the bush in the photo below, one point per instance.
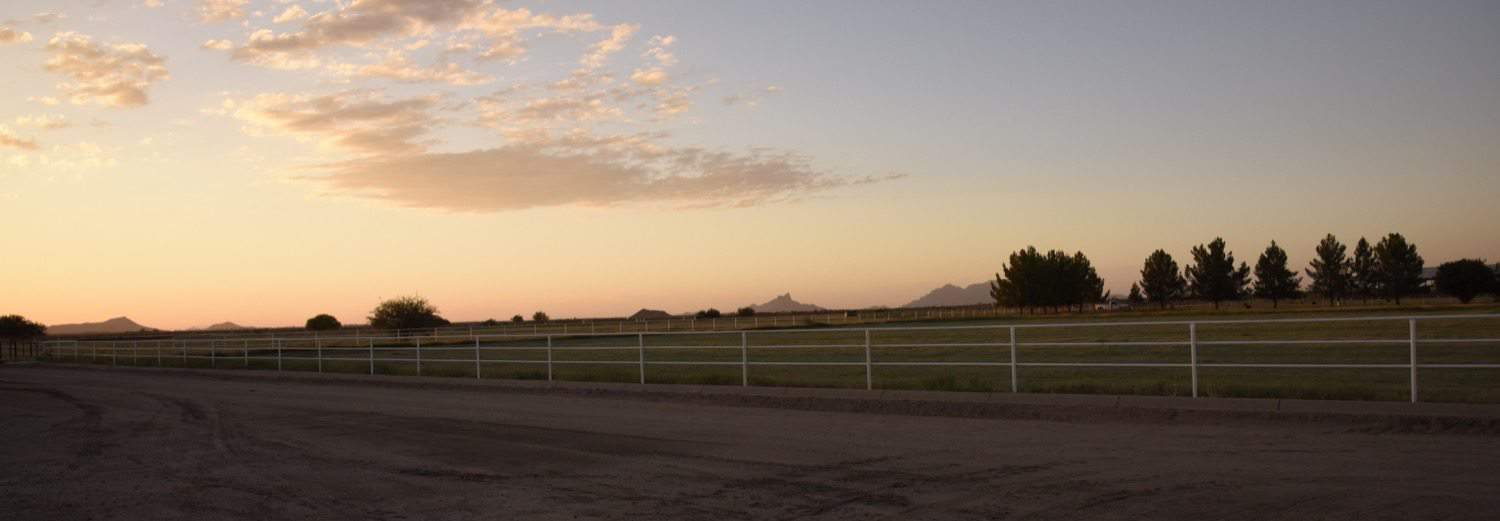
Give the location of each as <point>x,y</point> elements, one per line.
<point>406,313</point>
<point>540,316</point>
<point>746,311</point>
<point>709,313</point>
<point>518,319</point>
<point>323,322</point>
<point>1464,279</point>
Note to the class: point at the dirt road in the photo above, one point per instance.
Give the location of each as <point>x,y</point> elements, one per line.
<point>89,444</point>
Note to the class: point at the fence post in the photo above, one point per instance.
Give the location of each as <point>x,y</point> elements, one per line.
<point>246,347</point>
<point>158,353</point>
<point>1015,382</point>
<point>1193,353</point>
<point>135,354</point>
<point>372,356</point>
<point>641,340</point>
<point>1411,326</point>
<point>744,360</point>
<point>318,343</point>
<point>213,354</point>
<point>277,343</point>
<point>419,356</point>
<point>184,355</point>
<point>478,373</point>
<point>549,358</point>
<point>869,368</point>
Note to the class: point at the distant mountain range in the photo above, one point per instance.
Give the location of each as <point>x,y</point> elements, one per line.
<point>784,304</point>
<point>950,295</point>
<point>225,326</point>
<point>111,326</point>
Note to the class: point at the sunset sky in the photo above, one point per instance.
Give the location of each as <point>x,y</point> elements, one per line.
<point>189,162</point>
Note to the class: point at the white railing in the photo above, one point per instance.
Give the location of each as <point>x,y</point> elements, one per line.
<point>1003,339</point>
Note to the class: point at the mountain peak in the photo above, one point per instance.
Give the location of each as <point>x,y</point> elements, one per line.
<point>950,295</point>
<point>784,303</point>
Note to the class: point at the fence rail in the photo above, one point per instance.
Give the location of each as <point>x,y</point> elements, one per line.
<point>852,347</point>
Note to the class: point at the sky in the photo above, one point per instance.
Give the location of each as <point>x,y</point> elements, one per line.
<point>189,162</point>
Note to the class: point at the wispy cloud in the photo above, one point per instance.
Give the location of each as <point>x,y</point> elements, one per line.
<point>11,140</point>
<point>116,75</point>
<point>10,35</point>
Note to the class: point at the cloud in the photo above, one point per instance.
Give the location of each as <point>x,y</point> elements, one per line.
<point>659,52</point>
<point>600,52</point>
<point>521,176</point>
<point>649,77</point>
<point>47,17</point>
<point>357,23</point>
<point>751,98</point>
<point>43,122</point>
<point>362,122</point>
<point>397,67</point>
<point>11,140</point>
<point>214,11</point>
<point>218,45</point>
<point>291,14</point>
<point>115,75</point>
<point>9,35</point>
<point>151,4</point>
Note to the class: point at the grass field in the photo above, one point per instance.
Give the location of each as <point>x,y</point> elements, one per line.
<point>691,358</point>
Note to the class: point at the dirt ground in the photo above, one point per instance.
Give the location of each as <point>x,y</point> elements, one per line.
<point>92,444</point>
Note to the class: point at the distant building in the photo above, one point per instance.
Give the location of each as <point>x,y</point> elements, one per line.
<point>650,314</point>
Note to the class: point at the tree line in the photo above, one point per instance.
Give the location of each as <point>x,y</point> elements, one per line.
<point>1390,269</point>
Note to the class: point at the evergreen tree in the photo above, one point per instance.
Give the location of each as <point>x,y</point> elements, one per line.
<point>1398,268</point>
<point>1332,271</point>
<point>1213,276</point>
<point>1161,279</point>
<point>1273,280</point>
<point>1135,294</point>
<point>1464,279</point>
<point>1055,280</point>
<point>1362,271</point>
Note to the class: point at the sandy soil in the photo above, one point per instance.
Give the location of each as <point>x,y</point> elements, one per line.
<point>88,444</point>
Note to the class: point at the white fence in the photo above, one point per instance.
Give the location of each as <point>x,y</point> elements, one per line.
<point>1001,343</point>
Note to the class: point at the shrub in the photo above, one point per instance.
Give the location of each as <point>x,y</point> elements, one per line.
<point>323,322</point>
<point>406,313</point>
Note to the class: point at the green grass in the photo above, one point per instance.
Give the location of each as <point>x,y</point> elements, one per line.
<point>508,357</point>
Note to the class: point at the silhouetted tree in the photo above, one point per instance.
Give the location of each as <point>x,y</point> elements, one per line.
<point>1465,279</point>
<point>323,322</point>
<point>1213,276</point>
<point>746,311</point>
<point>518,319</point>
<point>1273,280</point>
<point>1362,271</point>
<point>540,316</point>
<point>1055,280</point>
<point>1331,272</point>
<point>1161,279</point>
<point>708,313</point>
<point>1398,268</point>
<point>15,329</point>
<point>1135,294</point>
<point>490,322</point>
<point>406,313</point>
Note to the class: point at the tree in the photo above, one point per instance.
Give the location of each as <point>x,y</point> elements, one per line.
<point>1465,279</point>
<point>708,313</point>
<point>1331,273</point>
<point>1398,268</point>
<point>540,316</point>
<point>1161,279</point>
<point>1213,276</point>
<point>1362,271</point>
<point>323,322</point>
<point>518,319</point>
<point>1055,280</point>
<point>1273,280</point>
<point>16,329</point>
<point>406,313</point>
<point>1135,294</point>
<point>746,311</point>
